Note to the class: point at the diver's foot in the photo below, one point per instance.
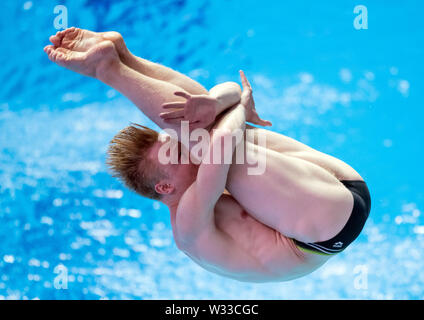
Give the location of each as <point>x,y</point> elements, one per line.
<point>87,62</point>
<point>77,39</point>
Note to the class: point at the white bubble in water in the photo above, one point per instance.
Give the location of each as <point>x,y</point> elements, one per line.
<point>262,81</point>
<point>394,71</point>
<point>196,73</point>
<point>114,194</point>
<point>134,213</point>
<point>419,229</point>
<point>250,33</point>
<point>111,93</point>
<point>345,98</point>
<point>408,207</point>
<point>46,220</point>
<point>34,277</point>
<point>416,213</point>
<point>345,75</point>
<point>34,262</point>
<point>156,205</point>
<point>306,77</point>
<point>403,87</point>
<point>8,258</point>
<point>157,242</point>
<point>124,253</point>
<point>101,212</point>
<point>57,202</point>
<point>72,97</point>
<point>64,256</point>
<point>27,5</point>
<point>369,75</point>
<point>387,143</point>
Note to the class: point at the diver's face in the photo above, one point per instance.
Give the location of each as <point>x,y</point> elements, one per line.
<point>178,175</point>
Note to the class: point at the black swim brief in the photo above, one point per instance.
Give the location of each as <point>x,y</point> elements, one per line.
<point>353,227</point>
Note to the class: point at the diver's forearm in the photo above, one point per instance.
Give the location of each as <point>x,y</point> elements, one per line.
<point>228,123</point>
<point>227,94</point>
<point>234,119</point>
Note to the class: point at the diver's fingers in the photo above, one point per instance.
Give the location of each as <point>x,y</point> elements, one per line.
<point>172,114</point>
<point>244,81</point>
<point>183,94</point>
<point>196,125</point>
<point>170,105</point>
<point>174,120</point>
<point>265,123</point>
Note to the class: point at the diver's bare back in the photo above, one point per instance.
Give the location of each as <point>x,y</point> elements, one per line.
<point>294,198</point>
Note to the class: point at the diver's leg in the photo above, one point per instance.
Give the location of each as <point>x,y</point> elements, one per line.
<point>161,72</point>
<point>296,197</point>
<point>102,62</point>
<point>147,93</point>
<point>291,147</point>
<point>77,39</point>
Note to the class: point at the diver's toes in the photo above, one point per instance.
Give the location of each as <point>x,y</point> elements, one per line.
<point>55,40</point>
<point>60,57</point>
<point>48,49</point>
<point>61,34</point>
<point>70,31</point>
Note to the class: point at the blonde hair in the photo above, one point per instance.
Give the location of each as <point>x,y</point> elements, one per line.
<point>128,161</point>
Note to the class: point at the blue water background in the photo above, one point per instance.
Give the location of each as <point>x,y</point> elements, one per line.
<point>355,94</point>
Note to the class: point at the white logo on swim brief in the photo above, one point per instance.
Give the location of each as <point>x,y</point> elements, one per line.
<point>338,244</point>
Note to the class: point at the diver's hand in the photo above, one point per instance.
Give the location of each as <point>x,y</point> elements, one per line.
<point>248,102</point>
<point>199,110</point>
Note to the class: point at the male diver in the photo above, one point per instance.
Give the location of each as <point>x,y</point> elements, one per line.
<point>304,208</point>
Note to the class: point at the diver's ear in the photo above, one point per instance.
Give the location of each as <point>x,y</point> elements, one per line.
<point>164,187</point>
